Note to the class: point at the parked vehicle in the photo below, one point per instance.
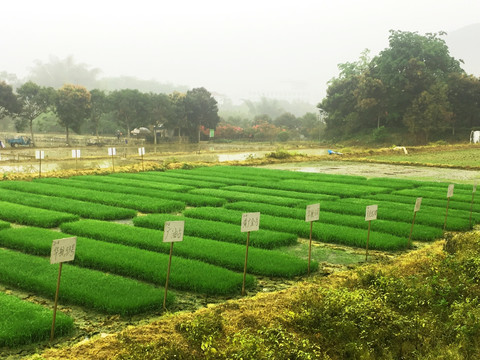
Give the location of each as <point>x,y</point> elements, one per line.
<point>20,141</point>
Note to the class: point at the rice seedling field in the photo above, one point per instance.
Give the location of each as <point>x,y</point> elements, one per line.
<point>120,264</point>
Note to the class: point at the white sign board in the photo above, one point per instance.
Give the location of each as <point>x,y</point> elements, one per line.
<point>39,154</point>
<point>371,212</point>
<point>417,204</point>
<point>250,221</point>
<point>75,153</point>
<point>112,151</point>
<point>312,213</point>
<point>450,190</point>
<point>173,231</point>
<point>141,151</point>
<point>63,250</point>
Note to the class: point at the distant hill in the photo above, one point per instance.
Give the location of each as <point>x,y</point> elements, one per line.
<point>464,44</point>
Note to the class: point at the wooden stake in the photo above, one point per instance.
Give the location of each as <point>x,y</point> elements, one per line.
<point>245,267</point>
<point>310,247</point>
<point>368,238</point>
<point>113,162</point>
<point>168,276</point>
<point>40,167</point>
<point>52,332</point>
<point>143,168</point>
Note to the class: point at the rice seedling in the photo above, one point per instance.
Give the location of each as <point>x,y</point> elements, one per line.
<point>219,231</point>
<point>231,256</point>
<point>92,289</point>
<point>186,274</point>
<point>22,322</point>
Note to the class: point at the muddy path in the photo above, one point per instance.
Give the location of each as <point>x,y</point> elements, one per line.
<point>370,170</point>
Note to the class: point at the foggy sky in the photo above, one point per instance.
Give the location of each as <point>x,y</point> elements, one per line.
<point>242,49</point>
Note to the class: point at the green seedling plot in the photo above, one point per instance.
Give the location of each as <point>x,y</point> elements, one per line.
<point>188,174</point>
<point>133,182</point>
<point>92,289</point>
<point>231,256</point>
<point>121,269</point>
<point>149,188</point>
<point>4,225</point>
<point>137,202</point>
<point>81,208</point>
<point>22,322</point>
<point>460,200</point>
<point>400,229</point>
<point>100,186</point>
<point>162,177</point>
<point>321,231</point>
<point>282,193</point>
<point>396,184</point>
<point>435,203</point>
<point>219,231</point>
<point>242,196</point>
<point>27,215</point>
<point>259,174</point>
<point>325,188</point>
<point>397,212</point>
<point>190,275</point>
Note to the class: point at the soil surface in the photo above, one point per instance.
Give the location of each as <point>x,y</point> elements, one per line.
<point>370,170</point>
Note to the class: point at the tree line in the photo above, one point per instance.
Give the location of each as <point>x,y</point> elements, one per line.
<point>74,106</point>
<point>412,87</point>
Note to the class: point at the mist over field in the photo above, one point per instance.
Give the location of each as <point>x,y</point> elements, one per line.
<point>279,50</point>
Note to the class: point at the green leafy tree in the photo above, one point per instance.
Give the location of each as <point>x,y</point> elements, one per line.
<point>312,126</point>
<point>201,110</point>
<point>179,114</point>
<point>99,106</point>
<point>340,105</point>
<point>287,121</point>
<point>72,106</point>
<point>429,112</point>
<point>409,66</point>
<point>34,100</point>
<point>9,104</point>
<point>130,108</point>
<point>371,100</point>
<point>160,110</point>
<point>464,96</point>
